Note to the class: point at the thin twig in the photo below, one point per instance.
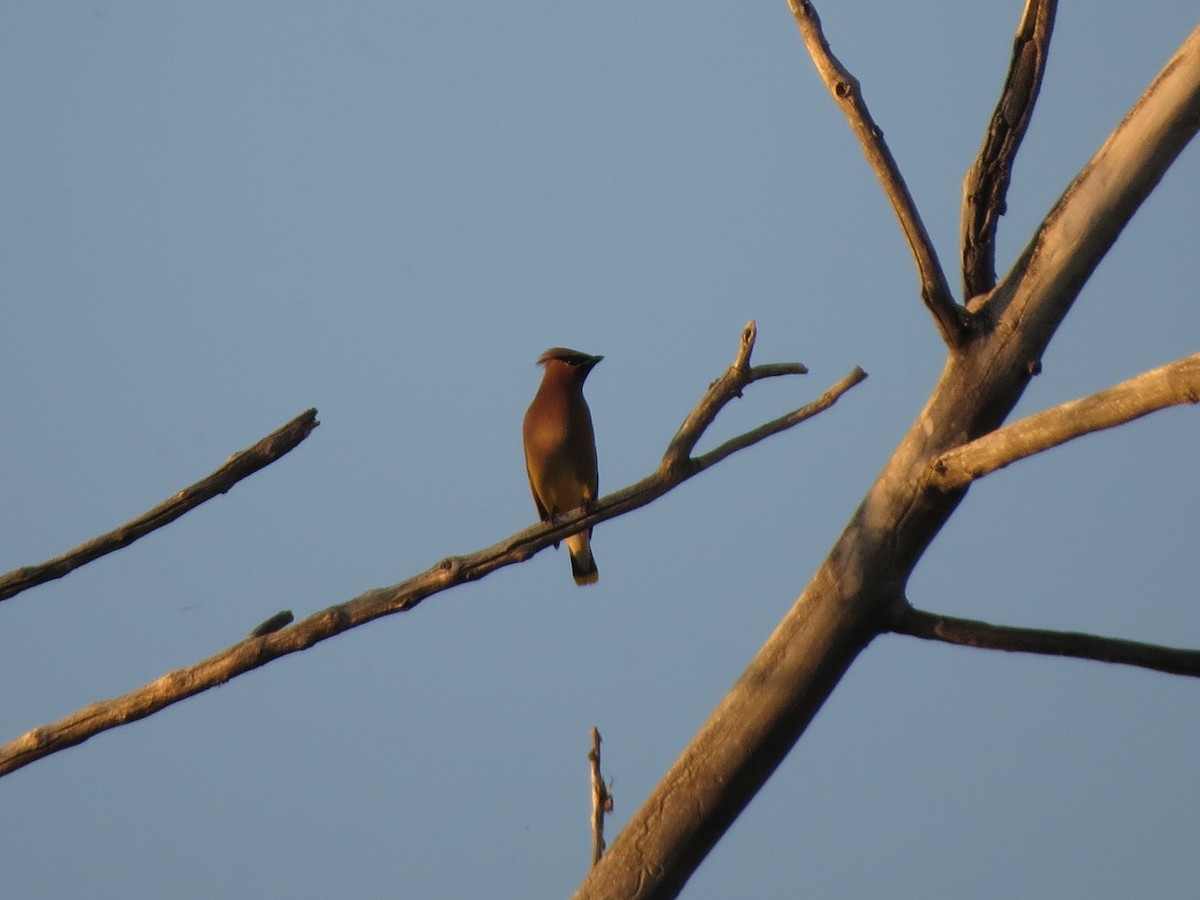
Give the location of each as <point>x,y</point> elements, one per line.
<point>952,320</point>
<point>258,650</point>
<point>970,633</point>
<point>795,417</point>
<point>602,800</point>
<point>985,187</point>
<point>731,383</point>
<point>1170,385</point>
<point>239,466</point>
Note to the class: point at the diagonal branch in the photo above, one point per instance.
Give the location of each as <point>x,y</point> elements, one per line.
<point>1170,385</point>
<point>237,467</point>
<point>985,187</point>
<point>849,599</point>
<point>969,633</point>
<point>260,648</point>
<point>1033,297</point>
<point>952,320</point>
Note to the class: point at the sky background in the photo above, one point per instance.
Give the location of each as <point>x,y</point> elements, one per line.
<point>214,216</point>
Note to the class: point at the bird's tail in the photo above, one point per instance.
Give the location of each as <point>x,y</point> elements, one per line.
<point>583,566</point>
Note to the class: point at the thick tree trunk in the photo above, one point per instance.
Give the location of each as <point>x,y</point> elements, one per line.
<point>851,597</point>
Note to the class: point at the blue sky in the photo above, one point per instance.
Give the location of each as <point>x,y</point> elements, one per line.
<point>218,215</point>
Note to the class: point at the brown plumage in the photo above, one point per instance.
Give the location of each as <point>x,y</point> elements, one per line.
<point>560,449</point>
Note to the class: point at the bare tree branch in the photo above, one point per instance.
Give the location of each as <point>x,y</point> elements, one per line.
<point>969,633</point>
<point>848,602</point>
<point>1170,385</point>
<point>784,422</point>
<point>238,466</point>
<point>985,187</point>
<point>1032,299</point>
<point>952,320</point>
<point>602,801</point>
<point>260,648</point>
<point>720,392</point>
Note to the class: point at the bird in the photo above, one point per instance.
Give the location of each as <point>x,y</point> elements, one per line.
<point>560,450</point>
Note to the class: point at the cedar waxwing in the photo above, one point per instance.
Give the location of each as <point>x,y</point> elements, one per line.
<point>560,449</point>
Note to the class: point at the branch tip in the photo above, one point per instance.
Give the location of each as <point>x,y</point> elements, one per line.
<point>237,467</point>
<point>746,346</point>
<point>602,800</point>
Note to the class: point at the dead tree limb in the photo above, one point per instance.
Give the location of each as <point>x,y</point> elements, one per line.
<point>239,466</point>
<point>970,633</point>
<point>850,599</point>
<point>985,188</point>
<point>952,320</point>
<point>1170,385</point>
<point>260,648</point>
<point>602,801</point>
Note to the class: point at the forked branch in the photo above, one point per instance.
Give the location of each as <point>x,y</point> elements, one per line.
<point>260,648</point>
<point>237,467</point>
<point>952,320</point>
<point>1170,385</point>
<point>720,392</point>
<point>850,598</point>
